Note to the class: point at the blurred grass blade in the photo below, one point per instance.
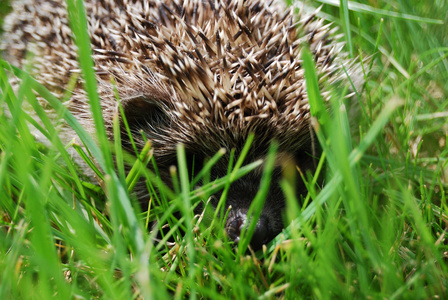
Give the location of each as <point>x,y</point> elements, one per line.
<point>345,20</point>
<point>359,7</point>
<point>256,207</point>
<point>78,23</point>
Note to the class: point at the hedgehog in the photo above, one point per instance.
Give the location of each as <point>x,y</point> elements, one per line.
<point>204,74</point>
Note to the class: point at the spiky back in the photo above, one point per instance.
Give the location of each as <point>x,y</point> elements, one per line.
<point>218,70</point>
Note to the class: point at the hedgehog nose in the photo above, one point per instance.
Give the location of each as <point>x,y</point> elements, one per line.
<point>235,226</point>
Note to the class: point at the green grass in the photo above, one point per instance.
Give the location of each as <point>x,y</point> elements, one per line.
<point>375,229</point>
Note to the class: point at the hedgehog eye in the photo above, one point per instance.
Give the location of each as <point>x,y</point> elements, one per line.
<point>141,109</point>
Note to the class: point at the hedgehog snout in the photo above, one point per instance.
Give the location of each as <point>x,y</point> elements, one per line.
<point>236,223</point>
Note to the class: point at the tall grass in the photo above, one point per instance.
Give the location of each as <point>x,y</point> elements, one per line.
<point>375,228</point>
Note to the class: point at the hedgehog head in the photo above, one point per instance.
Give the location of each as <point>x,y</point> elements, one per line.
<point>207,75</point>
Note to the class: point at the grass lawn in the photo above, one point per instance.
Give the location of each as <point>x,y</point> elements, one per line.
<point>376,227</point>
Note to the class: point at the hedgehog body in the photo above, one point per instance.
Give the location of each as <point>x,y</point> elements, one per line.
<point>202,73</point>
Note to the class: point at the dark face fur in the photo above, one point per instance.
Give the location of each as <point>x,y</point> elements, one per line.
<point>240,196</point>
<point>242,192</point>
